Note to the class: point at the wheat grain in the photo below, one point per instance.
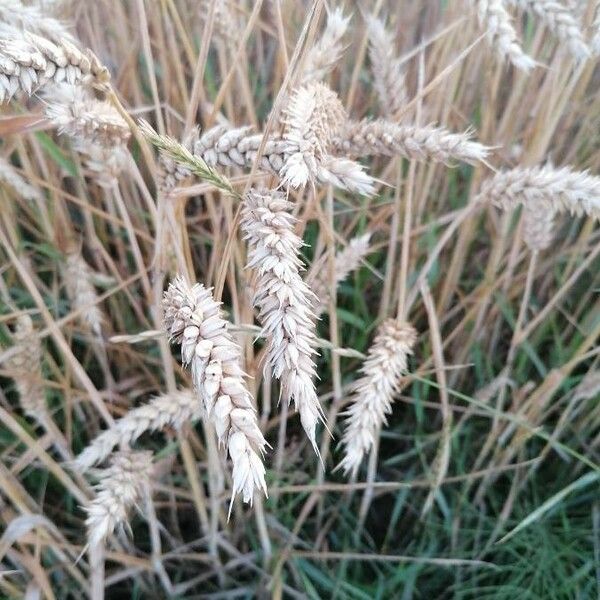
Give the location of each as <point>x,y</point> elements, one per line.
<point>25,367</point>
<point>31,61</point>
<point>194,319</point>
<point>561,21</point>
<point>385,138</point>
<point>346,261</point>
<point>501,34</point>
<point>538,226</point>
<point>327,52</point>
<point>373,393</point>
<point>9,175</point>
<point>284,301</point>
<point>121,486</point>
<point>173,410</point>
<point>559,190</point>
<point>388,73</point>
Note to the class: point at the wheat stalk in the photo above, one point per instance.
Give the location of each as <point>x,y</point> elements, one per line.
<point>387,69</point>
<point>10,176</point>
<point>31,61</point>
<point>121,486</point>
<point>559,190</point>
<point>561,21</point>
<point>385,138</point>
<point>173,409</point>
<point>373,394</point>
<point>327,52</point>
<point>194,319</point>
<point>284,301</point>
<point>501,34</point>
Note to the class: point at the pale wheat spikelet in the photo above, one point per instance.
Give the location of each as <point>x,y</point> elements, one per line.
<point>538,226</point>
<point>168,410</point>
<point>81,292</point>
<point>385,138</point>
<point>495,19</point>
<point>314,116</point>
<point>373,394</point>
<point>25,367</point>
<point>17,16</point>
<point>560,190</point>
<point>31,61</point>
<point>326,53</point>
<point>561,21</point>
<point>9,175</point>
<point>121,486</point>
<point>194,319</point>
<point>387,69</point>
<point>284,301</point>
<point>81,116</point>
<point>346,261</point>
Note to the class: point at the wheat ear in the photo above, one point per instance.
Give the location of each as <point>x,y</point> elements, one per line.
<point>194,319</point>
<point>121,486</point>
<point>173,410</point>
<point>15,17</point>
<point>561,21</point>
<point>538,226</point>
<point>373,394</point>
<point>388,73</point>
<point>284,301</point>
<point>326,53</point>
<point>501,34</point>
<point>10,176</point>
<point>595,41</point>
<point>559,190</point>
<point>385,138</point>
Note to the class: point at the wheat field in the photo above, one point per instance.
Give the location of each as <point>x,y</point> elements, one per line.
<point>300,299</point>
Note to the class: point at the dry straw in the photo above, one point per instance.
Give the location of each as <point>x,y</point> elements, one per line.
<point>373,394</point>
<point>121,486</point>
<point>284,301</point>
<point>168,410</point>
<point>194,319</point>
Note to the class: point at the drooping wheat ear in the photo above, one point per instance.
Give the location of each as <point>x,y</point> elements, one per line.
<point>121,486</point>
<point>373,393</point>
<point>538,226</point>
<point>31,61</point>
<point>314,117</point>
<point>14,15</point>
<point>561,21</point>
<point>347,260</point>
<point>194,319</point>
<point>226,24</point>
<point>9,175</point>
<point>81,292</point>
<point>284,301</point>
<point>168,410</point>
<point>81,116</point>
<point>501,34</point>
<point>326,53</point>
<point>25,367</point>
<point>385,138</point>
<point>388,72</point>
<point>560,190</point>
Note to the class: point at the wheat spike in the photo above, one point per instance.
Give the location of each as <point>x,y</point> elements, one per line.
<point>346,261</point>
<point>327,52</point>
<point>559,190</point>
<point>31,61</point>
<point>25,367</point>
<point>174,410</point>
<point>561,21</point>
<point>194,319</point>
<point>385,138</point>
<point>595,41</point>
<point>16,17</point>
<point>496,20</point>
<point>10,176</point>
<point>373,394</point>
<point>121,486</point>
<point>284,301</point>
<point>538,226</point>
<point>388,73</point>
<point>314,116</point>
